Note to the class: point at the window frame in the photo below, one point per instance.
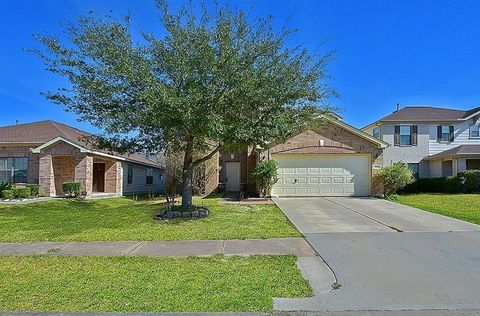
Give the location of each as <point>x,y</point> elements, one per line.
<point>14,162</point>
<point>416,173</point>
<point>379,132</point>
<point>149,176</point>
<point>477,126</point>
<point>447,127</point>
<point>409,135</point>
<point>130,174</point>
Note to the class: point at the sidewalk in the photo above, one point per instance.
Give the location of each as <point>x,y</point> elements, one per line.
<point>180,248</point>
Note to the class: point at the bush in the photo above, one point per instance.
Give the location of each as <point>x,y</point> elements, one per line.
<point>470,180</point>
<point>265,174</point>
<point>4,186</point>
<point>22,192</point>
<point>34,189</point>
<point>393,178</point>
<point>452,185</point>
<point>71,189</point>
<point>8,194</point>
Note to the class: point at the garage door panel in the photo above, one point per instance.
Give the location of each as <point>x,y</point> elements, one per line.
<point>322,175</point>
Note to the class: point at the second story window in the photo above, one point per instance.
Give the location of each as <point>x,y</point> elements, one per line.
<point>376,133</point>
<point>445,133</point>
<point>406,135</point>
<point>475,131</point>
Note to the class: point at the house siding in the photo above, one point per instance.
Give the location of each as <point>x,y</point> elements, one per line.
<point>139,184</point>
<point>462,137</point>
<point>407,154</point>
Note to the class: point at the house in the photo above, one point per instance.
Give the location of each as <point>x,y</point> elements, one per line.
<point>50,153</point>
<point>434,142</point>
<point>331,158</point>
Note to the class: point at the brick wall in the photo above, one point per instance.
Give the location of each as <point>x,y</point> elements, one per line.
<point>113,177</point>
<point>63,171</point>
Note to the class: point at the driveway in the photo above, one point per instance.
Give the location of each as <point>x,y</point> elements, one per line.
<point>388,256</point>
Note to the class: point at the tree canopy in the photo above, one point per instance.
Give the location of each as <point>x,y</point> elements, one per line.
<point>218,77</point>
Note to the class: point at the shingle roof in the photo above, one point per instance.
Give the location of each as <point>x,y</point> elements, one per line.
<point>426,113</point>
<point>38,133</point>
<point>459,150</point>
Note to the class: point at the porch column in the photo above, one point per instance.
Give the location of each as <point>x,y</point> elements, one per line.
<point>46,178</point>
<point>114,177</point>
<point>84,172</point>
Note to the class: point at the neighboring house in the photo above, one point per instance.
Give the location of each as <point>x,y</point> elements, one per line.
<point>434,142</point>
<point>329,159</point>
<point>50,153</point>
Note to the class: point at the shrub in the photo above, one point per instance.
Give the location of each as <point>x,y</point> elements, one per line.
<point>470,180</point>
<point>393,178</point>
<point>452,185</point>
<point>4,186</point>
<point>22,192</point>
<point>71,189</point>
<point>34,189</point>
<point>265,174</point>
<point>8,194</point>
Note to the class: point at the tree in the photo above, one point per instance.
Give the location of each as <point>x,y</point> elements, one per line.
<point>218,77</point>
<point>393,178</point>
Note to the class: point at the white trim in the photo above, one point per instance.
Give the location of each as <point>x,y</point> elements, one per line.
<point>469,117</point>
<point>38,149</point>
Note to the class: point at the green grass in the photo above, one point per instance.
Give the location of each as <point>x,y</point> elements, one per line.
<point>461,206</point>
<point>128,284</point>
<point>123,219</point>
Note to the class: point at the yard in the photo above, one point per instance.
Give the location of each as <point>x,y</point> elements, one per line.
<point>127,284</point>
<point>461,206</point>
<point>122,219</point>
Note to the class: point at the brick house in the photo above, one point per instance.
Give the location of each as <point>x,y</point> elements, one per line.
<point>49,153</point>
<point>331,158</point>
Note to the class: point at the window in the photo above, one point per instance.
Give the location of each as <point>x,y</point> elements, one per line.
<point>149,173</point>
<point>130,174</point>
<point>415,169</point>
<point>475,131</point>
<point>445,133</point>
<point>405,135</point>
<point>376,133</point>
<point>13,170</point>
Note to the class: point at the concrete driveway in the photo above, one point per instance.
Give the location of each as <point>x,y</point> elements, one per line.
<point>388,256</point>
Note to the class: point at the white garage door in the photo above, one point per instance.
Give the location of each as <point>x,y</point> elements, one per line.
<point>322,175</point>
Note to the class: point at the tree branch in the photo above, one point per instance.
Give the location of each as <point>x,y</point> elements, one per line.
<point>210,155</point>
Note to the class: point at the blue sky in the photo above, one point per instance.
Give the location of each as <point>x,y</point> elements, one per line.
<point>411,52</point>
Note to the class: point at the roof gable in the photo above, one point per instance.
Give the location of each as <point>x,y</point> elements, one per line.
<point>47,133</point>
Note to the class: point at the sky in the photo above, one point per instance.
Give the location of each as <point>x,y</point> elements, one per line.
<point>423,52</point>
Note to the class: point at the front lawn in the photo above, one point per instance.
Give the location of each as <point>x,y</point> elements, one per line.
<point>461,206</point>
<point>147,284</point>
<point>123,219</point>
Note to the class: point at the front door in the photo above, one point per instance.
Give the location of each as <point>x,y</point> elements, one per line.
<point>98,177</point>
<point>233,176</point>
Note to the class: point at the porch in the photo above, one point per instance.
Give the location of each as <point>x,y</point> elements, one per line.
<point>65,163</point>
<point>451,162</point>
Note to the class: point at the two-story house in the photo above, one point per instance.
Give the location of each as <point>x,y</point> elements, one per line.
<point>434,142</point>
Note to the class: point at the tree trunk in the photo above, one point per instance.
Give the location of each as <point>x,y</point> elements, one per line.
<point>187,175</point>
